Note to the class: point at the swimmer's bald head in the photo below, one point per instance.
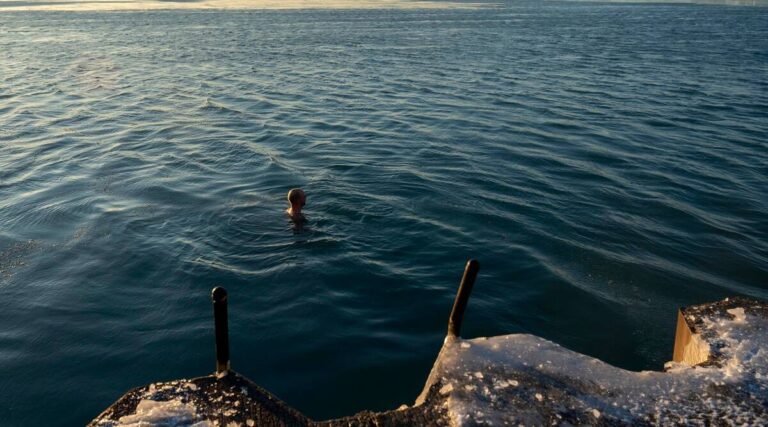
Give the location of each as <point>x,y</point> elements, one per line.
<point>297,199</point>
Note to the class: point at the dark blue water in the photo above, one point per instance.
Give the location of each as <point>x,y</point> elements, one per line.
<point>605,163</point>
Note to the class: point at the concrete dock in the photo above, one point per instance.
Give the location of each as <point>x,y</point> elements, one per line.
<point>718,375</point>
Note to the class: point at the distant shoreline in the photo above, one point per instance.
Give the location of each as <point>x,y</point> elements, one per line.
<point>255,5</point>
<point>156,5</point>
<point>757,3</point>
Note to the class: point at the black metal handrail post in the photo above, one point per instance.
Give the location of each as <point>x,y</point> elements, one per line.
<point>219,296</point>
<point>462,297</point>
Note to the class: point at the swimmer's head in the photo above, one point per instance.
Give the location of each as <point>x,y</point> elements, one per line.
<point>297,199</point>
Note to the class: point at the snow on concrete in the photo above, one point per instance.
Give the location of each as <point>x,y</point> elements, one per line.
<point>157,409</point>
<point>171,413</point>
<point>528,380</point>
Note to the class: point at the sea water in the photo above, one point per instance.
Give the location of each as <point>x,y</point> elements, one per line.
<point>606,163</point>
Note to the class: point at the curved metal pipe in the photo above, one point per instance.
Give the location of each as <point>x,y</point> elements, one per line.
<point>462,297</point>
<point>219,297</point>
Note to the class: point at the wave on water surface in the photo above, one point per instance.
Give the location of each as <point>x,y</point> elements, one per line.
<point>605,163</point>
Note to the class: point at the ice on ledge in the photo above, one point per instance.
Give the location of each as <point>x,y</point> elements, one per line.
<point>170,413</point>
<point>524,379</point>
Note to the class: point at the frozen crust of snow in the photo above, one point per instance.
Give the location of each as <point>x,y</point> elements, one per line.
<point>163,405</point>
<point>557,386</point>
<point>170,413</point>
<point>203,401</point>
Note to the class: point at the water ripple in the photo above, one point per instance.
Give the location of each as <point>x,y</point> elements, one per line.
<point>606,163</point>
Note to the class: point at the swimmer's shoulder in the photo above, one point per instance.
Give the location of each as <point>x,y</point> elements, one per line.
<point>296,217</point>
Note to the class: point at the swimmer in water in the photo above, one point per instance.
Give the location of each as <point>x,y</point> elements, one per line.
<point>297,199</point>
